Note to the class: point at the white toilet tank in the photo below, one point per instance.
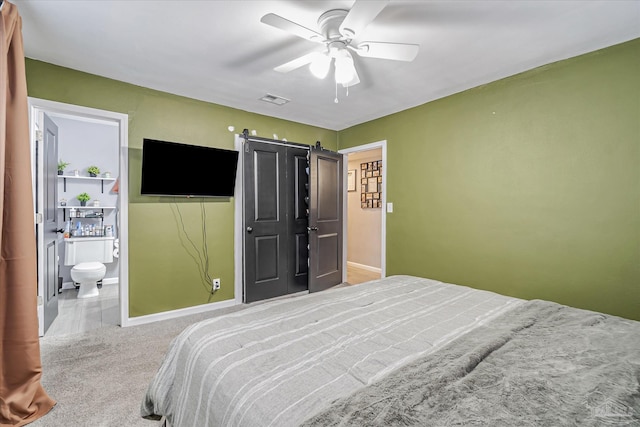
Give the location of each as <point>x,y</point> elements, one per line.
<point>88,249</point>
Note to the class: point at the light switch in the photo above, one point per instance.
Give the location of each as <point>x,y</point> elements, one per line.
<point>389,207</point>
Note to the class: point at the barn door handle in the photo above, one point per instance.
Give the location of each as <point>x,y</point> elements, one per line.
<point>312,228</point>
<point>249,229</point>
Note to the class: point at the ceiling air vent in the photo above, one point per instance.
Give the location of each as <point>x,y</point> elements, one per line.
<point>274,99</point>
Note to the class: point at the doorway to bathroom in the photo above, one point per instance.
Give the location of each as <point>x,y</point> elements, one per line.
<point>68,144</point>
<point>365,212</point>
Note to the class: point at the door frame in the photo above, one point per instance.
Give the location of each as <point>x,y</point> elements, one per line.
<point>383,229</point>
<point>36,106</point>
<point>238,225</point>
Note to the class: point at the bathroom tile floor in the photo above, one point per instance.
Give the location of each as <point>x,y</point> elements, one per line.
<point>81,315</point>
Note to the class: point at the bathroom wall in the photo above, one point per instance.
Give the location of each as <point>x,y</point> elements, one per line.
<point>83,143</point>
<point>363,225</point>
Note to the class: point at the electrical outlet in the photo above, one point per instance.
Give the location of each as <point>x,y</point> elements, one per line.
<point>216,284</point>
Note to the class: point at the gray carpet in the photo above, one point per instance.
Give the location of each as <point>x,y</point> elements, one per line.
<point>99,377</point>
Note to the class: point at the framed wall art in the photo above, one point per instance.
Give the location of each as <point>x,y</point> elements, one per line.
<point>371,184</point>
<point>351,180</point>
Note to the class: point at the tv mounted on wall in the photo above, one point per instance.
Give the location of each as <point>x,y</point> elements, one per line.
<point>172,169</point>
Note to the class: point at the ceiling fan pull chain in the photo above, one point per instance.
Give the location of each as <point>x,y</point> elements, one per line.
<point>336,99</point>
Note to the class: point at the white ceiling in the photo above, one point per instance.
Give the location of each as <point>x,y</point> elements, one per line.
<point>220,52</point>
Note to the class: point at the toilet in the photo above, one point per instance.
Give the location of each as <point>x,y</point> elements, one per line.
<point>87,255</point>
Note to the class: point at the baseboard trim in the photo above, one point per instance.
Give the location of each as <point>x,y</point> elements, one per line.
<point>68,285</point>
<point>364,267</point>
<point>173,314</point>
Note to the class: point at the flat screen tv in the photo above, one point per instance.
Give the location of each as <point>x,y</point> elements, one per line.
<point>172,169</point>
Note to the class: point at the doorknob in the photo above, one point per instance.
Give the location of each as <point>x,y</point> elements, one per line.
<point>249,229</point>
<point>312,228</point>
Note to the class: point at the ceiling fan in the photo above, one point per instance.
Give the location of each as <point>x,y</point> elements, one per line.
<point>338,28</point>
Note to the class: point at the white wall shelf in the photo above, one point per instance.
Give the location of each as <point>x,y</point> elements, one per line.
<point>97,178</point>
<point>87,177</point>
<point>101,208</point>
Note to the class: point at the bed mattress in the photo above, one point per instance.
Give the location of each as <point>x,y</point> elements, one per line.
<point>278,363</point>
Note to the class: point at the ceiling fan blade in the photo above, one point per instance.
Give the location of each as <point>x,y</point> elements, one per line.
<point>361,14</point>
<point>297,63</point>
<point>394,51</point>
<point>291,27</point>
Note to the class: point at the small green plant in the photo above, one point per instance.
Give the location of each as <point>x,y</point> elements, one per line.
<point>93,170</point>
<point>62,165</point>
<point>83,197</point>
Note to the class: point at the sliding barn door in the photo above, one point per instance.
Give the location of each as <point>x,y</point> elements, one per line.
<point>265,221</point>
<point>325,220</point>
<point>298,182</point>
<point>275,244</point>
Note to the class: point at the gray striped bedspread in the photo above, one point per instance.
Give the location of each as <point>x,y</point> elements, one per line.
<point>542,365</point>
<point>281,362</point>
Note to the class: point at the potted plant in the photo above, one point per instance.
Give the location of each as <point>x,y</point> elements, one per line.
<point>93,171</point>
<point>61,166</point>
<point>83,198</point>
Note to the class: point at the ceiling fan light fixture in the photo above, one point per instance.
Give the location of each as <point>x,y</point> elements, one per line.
<point>344,75</point>
<point>338,29</point>
<point>320,65</point>
<point>345,68</point>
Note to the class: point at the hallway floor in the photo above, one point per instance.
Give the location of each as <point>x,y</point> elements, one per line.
<point>356,275</point>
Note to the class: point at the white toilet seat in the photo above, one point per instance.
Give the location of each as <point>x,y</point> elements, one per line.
<point>89,266</point>
<point>88,274</point>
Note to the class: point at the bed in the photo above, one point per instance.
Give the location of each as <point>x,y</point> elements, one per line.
<point>401,351</point>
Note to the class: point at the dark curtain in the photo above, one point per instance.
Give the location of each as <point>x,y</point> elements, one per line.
<point>22,398</point>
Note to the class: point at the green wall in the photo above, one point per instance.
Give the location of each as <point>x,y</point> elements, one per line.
<point>162,274</point>
<point>528,186</point>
